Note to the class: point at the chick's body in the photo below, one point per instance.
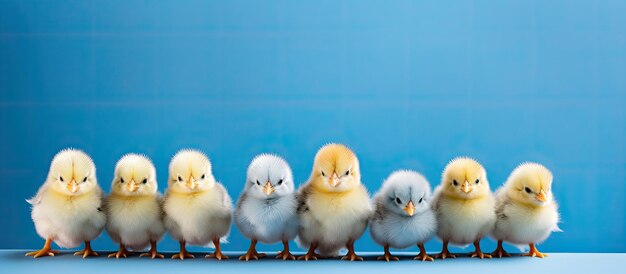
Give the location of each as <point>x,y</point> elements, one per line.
<point>134,214</point>
<point>197,208</point>
<point>464,205</point>
<point>67,208</point>
<point>333,205</point>
<point>403,216</point>
<point>266,209</point>
<point>525,208</point>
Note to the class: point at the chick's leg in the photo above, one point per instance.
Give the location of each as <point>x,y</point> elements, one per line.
<point>182,254</point>
<point>46,250</point>
<point>533,252</point>
<point>251,254</point>
<point>478,253</point>
<point>87,251</point>
<point>285,254</point>
<point>444,252</point>
<point>351,255</point>
<point>123,252</point>
<point>153,252</point>
<point>500,252</point>
<point>423,255</point>
<point>218,252</point>
<point>311,255</point>
<point>387,256</point>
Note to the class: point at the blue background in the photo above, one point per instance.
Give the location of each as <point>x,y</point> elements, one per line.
<point>407,84</point>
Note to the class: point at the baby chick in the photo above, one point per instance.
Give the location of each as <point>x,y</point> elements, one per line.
<point>525,209</point>
<point>266,210</point>
<point>464,205</point>
<point>197,208</point>
<point>402,215</point>
<point>134,214</point>
<point>67,207</point>
<point>333,205</point>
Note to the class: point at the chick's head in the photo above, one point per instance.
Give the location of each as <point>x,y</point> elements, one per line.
<point>406,193</point>
<point>269,176</point>
<point>72,172</point>
<point>465,178</point>
<point>190,171</point>
<point>531,184</point>
<point>335,169</point>
<point>135,175</point>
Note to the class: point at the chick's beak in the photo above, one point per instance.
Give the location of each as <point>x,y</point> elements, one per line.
<point>191,183</point>
<point>409,208</point>
<point>541,196</point>
<point>72,186</point>
<point>334,180</point>
<point>268,188</point>
<point>466,187</point>
<point>132,186</point>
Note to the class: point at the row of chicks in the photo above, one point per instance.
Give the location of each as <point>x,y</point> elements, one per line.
<point>328,213</point>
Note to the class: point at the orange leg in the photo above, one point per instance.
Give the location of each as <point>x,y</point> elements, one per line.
<point>387,256</point>
<point>182,254</point>
<point>500,252</point>
<point>351,255</point>
<point>153,252</point>
<point>252,254</point>
<point>285,255</point>
<point>45,250</point>
<point>121,253</point>
<point>423,255</point>
<point>310,255</point>
<point>218,252</point>
<point>533,252</point>
<point>444,252</point>
<point>478,253</point>
<point>87,251</point>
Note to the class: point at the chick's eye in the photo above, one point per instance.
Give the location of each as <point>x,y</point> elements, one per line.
<point>398,200</point>
<point>323,174</point>
<point>121,180</point>
<point>145,180</point>
<point>202,177</point>
<point>180,178</point>
<point>258,183</point>
<point>347,172</point>
<point>420,201</point>
<point>61,178</point>
<point>527,189</point>
<point>477,181</point>
<point>455,182</point>
<point>280,182</point>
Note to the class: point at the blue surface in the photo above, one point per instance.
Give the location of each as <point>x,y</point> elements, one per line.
<point>407,84</point>
<point>572,263</point>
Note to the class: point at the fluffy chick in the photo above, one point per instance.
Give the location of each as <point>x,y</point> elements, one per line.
<point>525,209</point>
<point>67,207</point>
<point>197,208</point>
<point>403,215</point>
<point>266,210</point>
<point>464,205</point>
<point>134,214</point>
<point>333,205</point>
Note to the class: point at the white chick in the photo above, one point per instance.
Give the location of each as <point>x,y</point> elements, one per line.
<point>464,205</point>
<point>134,214</point>
<point>403,216</point>
<point>526,210</point>
<point>333,205</point>
<point>266,210</point>
<point>197,208</point>
<point>67,208</point>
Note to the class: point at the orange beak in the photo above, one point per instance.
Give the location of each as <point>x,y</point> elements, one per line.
<point>268,188</point>
<point>72,186</point>
<point>541,196</point>
<point>409,208</point>
<point>466,187</point>
<point>191,183</point>
<point>334,180</point>
<point>132,186</point>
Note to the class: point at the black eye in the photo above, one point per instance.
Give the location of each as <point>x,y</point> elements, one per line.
<point>145,180</point>
<point>348,172</point>
<point>280,182</point>
<point>121,180</point>
<point>323,174</point>
<point>398,200</point>
<point>202,178</point>
<point>420,201</point>
<point>477,181</point>
<point>61,178</point>
<point>180,179</point>
<point>527,189</point>
<point>455,182</point>
<point>85,179</point>
<point>257,182</point>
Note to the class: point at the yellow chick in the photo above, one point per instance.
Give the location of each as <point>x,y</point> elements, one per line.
<point>333,205</point>
<point>197,208</point>
<point>525,209</point>
<point>464,205</point>
<point>134,214</point>
<point>67,207</point>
